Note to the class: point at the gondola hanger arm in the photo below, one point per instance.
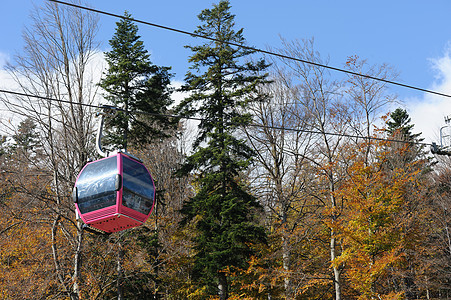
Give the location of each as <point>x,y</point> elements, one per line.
<point>105,109</point>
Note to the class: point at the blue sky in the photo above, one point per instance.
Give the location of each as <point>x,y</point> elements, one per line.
<point>411,36</point>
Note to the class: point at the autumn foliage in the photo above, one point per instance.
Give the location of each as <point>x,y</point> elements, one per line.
<point>324,204</point>
<point>372,226</point>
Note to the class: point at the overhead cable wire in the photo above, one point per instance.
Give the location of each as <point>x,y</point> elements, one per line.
<point>255,49</point>
<point>201,119</point>
<point>46,98</point>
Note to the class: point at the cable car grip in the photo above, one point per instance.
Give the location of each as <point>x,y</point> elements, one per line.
<point>105,109</point>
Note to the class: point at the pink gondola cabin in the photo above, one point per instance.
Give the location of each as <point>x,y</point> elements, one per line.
<point>114,193</point>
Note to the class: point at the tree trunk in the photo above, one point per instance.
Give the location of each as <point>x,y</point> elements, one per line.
<point>78,259</point>
<point>223,286</point>
<point>120,259</point>
<point>333,255</point>
<point>333,242</point>
<point>286,255</point>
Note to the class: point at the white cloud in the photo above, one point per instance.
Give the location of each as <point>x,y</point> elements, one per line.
<point>9,119</point>
<point>428,113</point>
<point>177,96</point>
<point>6,83</point>
<point>4,58</point>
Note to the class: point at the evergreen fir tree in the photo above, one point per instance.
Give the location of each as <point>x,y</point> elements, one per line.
<point>3,146</point>
<point>221,86</point>
<point>400,126</point>
<point>133,83</point>
<point>26,137</point>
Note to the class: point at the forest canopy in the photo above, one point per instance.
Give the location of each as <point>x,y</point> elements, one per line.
<point>273,180</point>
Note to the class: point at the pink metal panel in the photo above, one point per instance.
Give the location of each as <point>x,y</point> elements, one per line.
<point>99,214</point>
<point>133,214</point>
<point>115,223</point>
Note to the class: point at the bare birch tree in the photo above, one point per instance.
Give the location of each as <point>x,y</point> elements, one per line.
<point>56,66</point>
<point>367,97</point>
<point>322,101</point>
<point>280,176</point>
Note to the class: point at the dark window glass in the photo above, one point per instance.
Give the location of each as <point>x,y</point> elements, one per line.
<point>138,192</point>
<point>96,185</point>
